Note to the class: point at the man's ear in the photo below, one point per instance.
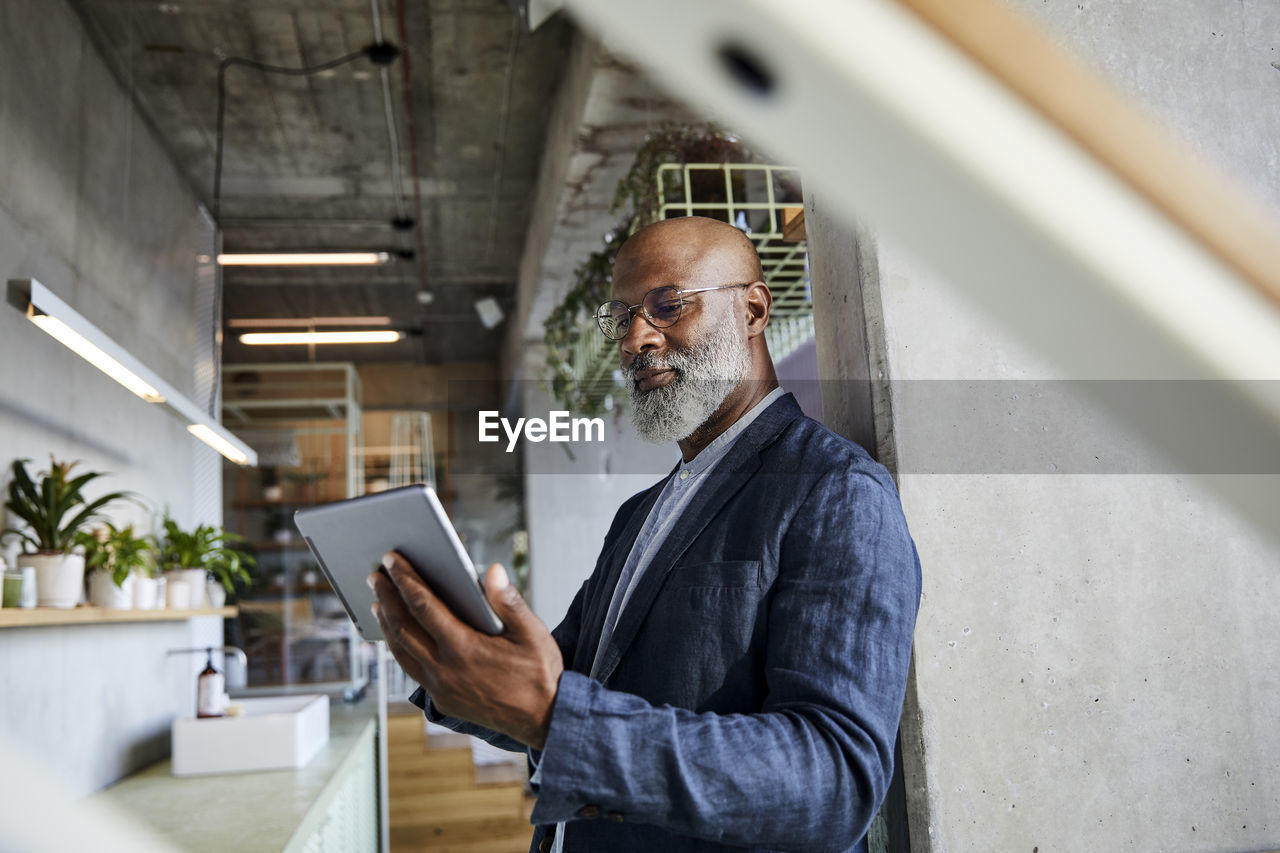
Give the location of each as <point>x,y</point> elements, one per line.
<point>758,302</point>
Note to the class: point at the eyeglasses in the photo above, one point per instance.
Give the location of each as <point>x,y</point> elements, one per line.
<point>662,307</point>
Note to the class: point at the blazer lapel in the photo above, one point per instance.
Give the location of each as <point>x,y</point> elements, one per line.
<point>724,481</point>
<point>598,609</point>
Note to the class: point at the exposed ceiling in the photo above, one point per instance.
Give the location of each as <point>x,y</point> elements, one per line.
<point>307,159</point>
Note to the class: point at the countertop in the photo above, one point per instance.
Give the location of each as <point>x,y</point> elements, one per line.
<point>247,812</point>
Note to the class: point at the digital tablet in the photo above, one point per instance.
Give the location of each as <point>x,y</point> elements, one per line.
<point>348,539</point>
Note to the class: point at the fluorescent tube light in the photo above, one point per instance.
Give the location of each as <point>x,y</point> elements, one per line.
<point>218,443</point>
<point>81,346</point>
<point>278,338</point>
<point>305,322</point>
<point>86,340</point>
<point>304,259</point>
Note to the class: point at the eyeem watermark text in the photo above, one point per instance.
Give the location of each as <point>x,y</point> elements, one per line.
<point>559,426</point>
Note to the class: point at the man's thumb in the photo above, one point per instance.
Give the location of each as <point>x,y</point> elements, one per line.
<point>504,597</point>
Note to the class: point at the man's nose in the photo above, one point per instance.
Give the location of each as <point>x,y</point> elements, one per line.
<point>641,335</point>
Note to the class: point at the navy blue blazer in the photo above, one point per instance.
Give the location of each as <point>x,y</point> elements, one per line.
<point>751,691</point>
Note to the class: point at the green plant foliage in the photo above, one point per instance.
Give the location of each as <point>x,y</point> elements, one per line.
<point>206,547</point>
<point>55,509</point>
<point>118,550</point>
<point>570,326</point>
<point>674,143</point>
<point>580,360</point>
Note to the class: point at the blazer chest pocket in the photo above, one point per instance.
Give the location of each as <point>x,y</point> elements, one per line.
<point>735,574</point>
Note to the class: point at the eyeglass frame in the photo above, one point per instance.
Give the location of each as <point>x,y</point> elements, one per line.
<point>631,309</point>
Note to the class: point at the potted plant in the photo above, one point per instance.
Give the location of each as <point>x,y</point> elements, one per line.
<point>190,558</point>
<point>53,512</point>
<point>117,559</point>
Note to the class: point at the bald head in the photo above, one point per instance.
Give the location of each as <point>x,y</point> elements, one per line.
<point>691,377</point>
<point>690,249</point>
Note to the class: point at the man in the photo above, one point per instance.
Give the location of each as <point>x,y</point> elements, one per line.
<point>732,673</point>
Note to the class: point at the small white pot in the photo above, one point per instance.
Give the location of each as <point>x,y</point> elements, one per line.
<point>216,593</point>
<point>59,578</point>
<point>177,592</point>
<point>146,592</point>
<point>103,591</point>
<point>196,580</point>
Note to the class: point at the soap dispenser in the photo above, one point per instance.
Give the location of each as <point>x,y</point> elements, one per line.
<point>209,690</point>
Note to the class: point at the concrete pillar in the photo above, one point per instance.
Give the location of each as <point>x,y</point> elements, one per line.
<point>844,280</point>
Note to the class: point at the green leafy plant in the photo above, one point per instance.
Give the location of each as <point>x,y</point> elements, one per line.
<point>580,361</point>
<point>119,551</point>
<point>206,547</point>
<point>676,143</point>
<point>55,509</point>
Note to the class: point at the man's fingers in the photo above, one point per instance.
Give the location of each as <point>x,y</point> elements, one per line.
<point>427,609</point>
<point>406,639</point>
<point>505,600</point>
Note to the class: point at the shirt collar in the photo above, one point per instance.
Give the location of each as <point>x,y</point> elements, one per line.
<point>719,447</point>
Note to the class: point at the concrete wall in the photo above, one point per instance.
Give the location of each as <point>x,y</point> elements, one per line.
<point>1095,656</point>
<point>92,207</point>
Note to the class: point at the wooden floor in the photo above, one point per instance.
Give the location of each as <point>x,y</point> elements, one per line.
<point>442,803</point>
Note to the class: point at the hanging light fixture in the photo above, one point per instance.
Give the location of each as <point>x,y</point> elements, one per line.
<point>303,259</point>
<point>305,322</point>
<point>286,338</point>
<point>68,327</point>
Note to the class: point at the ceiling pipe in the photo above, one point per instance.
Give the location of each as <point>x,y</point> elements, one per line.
<point>393,133</point>
<point>424,295</point>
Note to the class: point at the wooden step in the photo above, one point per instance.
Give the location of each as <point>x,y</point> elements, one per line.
<point>435,761</point>
<point>499,801</point>
<point>507,835</point>
<point>406,722</point>
<point>430,783</point>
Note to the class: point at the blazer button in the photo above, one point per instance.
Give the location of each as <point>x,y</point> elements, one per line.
<point>588,811</point>
<point>616,817</point>
<point>545,845</point>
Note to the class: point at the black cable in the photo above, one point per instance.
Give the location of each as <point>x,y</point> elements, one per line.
<point>379,53</point>
<point>269,69</point>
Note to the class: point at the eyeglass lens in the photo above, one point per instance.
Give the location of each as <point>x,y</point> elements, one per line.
<point>661,307</point>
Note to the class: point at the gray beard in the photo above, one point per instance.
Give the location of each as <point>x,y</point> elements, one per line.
<point>706,373</point>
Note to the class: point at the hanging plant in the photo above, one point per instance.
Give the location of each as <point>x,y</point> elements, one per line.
<point>570,330</point>
<point>579,359</point>
<point>683,144</point>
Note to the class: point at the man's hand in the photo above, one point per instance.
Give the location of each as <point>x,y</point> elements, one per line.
<point>506,683</point>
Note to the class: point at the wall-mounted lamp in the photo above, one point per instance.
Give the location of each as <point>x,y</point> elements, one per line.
<point>86,340</point>
<point>304,259</point>
<point>284,338</point>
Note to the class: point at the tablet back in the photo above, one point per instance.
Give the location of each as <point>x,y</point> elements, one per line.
<point>348,539</point>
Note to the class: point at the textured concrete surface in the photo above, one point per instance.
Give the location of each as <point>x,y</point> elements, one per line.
<point>1095,657</point>
<point>95,702</point>
<point>91,206</point>
<point>308,161</point>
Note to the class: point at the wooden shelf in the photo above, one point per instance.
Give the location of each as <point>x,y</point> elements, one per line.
<point>273,545</point>
<point>320,587</point>
<point>15,617</point>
